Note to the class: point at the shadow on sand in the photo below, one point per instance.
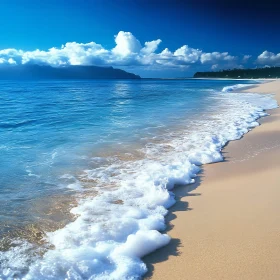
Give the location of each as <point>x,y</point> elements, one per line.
<point>172,248</point>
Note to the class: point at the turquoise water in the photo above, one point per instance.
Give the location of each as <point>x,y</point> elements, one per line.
<point>51,128</point>
<point>55,135</point>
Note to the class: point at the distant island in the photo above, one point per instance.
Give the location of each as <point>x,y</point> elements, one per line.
<point>258,73</point>
<point>34,71</point>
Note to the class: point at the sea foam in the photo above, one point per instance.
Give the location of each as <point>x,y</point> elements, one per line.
<point>236,87</point>
<point>124,222</point>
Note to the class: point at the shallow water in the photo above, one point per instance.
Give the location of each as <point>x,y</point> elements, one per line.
<point>113,150</point>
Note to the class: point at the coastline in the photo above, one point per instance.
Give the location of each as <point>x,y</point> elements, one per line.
<point>227,224</point>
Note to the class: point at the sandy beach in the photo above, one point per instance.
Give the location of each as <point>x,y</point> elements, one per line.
<point>227,224</point>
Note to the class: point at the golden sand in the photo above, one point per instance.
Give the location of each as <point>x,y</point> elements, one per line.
<point>227,225</point>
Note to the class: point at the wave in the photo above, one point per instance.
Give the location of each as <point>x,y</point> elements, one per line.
<point>124,222</point>
<point>236,87</point>
<point>16,125</point>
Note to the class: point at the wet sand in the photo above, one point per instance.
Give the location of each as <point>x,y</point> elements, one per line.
<point>227,224</point>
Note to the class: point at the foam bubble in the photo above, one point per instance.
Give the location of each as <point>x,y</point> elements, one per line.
<point>236,87</point>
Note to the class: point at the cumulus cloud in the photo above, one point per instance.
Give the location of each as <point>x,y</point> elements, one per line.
<point>188,55</point>
<point>269,58</point>
<point>215,67</point>
<point>126,44</point>
<point>151,47</point>
<point>11,61</point>
<point>216,57</point>
<point>128,51</point>
<point>246,58</point>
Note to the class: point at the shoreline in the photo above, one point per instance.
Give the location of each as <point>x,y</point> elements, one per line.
<point>226,225</point>
<point>222,79</point>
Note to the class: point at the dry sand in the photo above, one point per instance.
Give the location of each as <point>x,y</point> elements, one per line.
<point>227,225</point>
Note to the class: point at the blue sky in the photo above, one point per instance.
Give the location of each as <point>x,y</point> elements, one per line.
<point>185,36</point>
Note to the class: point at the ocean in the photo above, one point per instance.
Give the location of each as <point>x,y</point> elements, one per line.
<point>87,167</point>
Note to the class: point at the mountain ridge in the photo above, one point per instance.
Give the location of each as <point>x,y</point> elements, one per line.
<point>35,71</point>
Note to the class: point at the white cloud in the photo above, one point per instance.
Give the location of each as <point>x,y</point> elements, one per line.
<point>128,51</point>
<point>11,61</point>
<point>215,57</point>
<point>188,55</point>
<point>151,47</point>
<point>215,67</point>
<point>246,58</point>
<point>269,58</point>
<point>126,44</point>
<point>71,53</point>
